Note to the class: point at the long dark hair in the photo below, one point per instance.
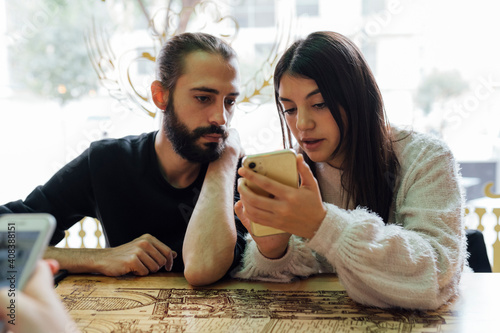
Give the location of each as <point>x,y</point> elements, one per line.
<point>345,79</point>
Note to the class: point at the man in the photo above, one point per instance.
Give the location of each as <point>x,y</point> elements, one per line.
<point>165,199</point>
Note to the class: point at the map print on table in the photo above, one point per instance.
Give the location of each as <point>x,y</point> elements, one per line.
<point>235,310</point>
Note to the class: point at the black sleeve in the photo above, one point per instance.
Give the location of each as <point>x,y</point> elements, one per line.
<point>14,207</point>
<point>67,196</point>
<point>241,231</point>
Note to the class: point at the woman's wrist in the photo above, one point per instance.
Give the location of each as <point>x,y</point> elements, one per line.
<point>319,220</point>
<point>273,252</point>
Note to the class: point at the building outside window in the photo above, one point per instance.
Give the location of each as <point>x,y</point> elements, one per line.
<point>307,7</point>
<point>255,13</point>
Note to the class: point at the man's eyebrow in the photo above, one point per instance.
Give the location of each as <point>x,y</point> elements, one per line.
<point>314,92</point>
<point>212,91</point>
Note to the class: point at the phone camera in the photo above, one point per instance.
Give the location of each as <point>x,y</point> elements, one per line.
<point>252,165</point>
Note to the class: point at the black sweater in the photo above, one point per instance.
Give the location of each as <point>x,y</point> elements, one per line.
<point>118,181</point>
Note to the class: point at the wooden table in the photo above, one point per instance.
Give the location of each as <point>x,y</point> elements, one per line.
<point>164,302</point>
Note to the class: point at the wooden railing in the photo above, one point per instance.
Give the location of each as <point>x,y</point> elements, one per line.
<point>85,234</point>
<point>487,220</point>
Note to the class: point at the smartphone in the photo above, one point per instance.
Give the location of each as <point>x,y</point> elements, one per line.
<point>23,240</point>
<point>279,165</point>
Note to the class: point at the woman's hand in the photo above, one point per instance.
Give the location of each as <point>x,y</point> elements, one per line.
<point>296,211</point>
<point>273,246</point>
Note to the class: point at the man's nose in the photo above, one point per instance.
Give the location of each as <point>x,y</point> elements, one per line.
<point>218,116</point>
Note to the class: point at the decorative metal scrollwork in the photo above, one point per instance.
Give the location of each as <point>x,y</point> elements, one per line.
<point>115,71</point>
<point>489,193</point>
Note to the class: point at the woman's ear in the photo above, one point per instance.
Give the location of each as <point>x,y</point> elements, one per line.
<point>159,94</point>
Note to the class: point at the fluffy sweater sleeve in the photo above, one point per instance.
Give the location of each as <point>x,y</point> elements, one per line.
<point>414,261</point>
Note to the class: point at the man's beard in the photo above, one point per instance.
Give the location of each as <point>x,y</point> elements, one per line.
<point>184,142</point>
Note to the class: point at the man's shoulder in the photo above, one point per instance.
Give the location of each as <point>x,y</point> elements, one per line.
<point>131,152</point>
<point>125,145</point>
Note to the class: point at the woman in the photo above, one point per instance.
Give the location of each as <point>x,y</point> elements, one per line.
<point>380,207</point>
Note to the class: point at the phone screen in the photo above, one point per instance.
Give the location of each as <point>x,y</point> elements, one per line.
<point>14,255</point>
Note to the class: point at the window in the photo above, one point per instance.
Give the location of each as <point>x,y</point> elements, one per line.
<point>372,6</point>
<point>369,50</point>
<point>53,104</point>
<point>255,13</point>
<point>307,7</point>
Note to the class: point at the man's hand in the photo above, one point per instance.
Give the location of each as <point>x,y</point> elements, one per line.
<point>233,145</point>
<point>141,256</point>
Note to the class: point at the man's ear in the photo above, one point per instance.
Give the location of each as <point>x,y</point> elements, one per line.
<point>159,94</point>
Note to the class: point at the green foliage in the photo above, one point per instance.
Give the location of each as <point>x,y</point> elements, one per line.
<point>437,87</point>
<point>47,52</point>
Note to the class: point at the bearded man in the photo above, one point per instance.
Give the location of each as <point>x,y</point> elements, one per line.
<point>165,198</point>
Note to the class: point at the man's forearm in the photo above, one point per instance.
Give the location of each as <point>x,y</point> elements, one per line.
<point>75,260</point>
<point>208,249</point>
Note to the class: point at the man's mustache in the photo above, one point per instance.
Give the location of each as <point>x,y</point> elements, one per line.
<point>212,129</point>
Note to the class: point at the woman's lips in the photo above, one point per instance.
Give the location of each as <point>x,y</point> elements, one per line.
<point>311,144</point>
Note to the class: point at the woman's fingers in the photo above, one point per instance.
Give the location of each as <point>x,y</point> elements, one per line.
<point>306,175</point>
<point>239,210</point>
<point>267,184</point>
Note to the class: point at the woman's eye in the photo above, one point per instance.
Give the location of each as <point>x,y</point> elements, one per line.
<point>230,101</point>
<point>290,111</point>
<point>320,105</point>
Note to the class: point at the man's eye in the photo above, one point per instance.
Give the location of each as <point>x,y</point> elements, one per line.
<point>230,101</point>
<point>203,99</point>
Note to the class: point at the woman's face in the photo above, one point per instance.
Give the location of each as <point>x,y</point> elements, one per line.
<point>309,119</point>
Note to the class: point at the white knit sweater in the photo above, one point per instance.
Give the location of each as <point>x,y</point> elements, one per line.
<point>414,261</point>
